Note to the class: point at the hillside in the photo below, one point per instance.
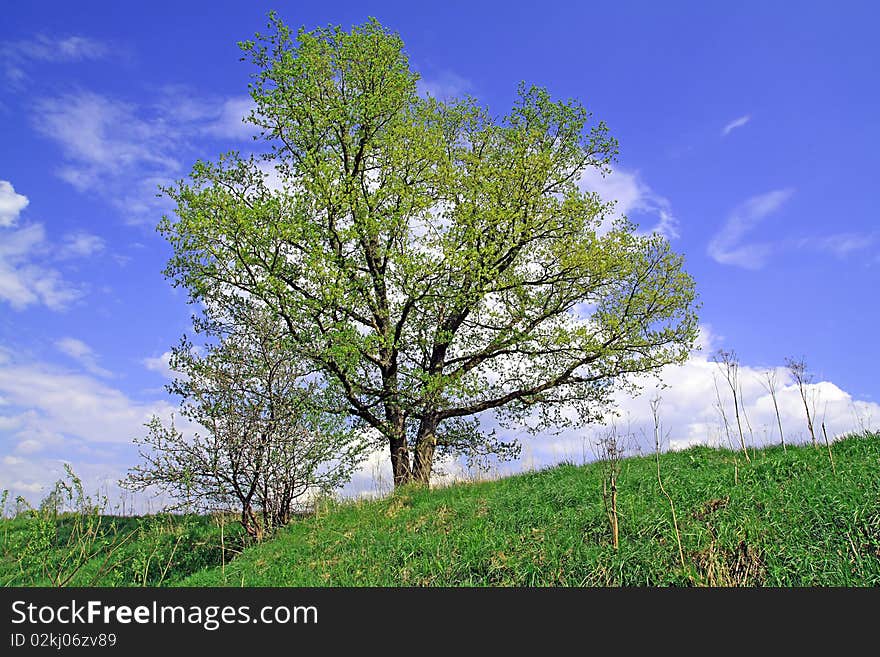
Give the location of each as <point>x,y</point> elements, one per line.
<point>37,549</point>
<point>786,519</point>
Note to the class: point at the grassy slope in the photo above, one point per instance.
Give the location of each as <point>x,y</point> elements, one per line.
<point>788,520</point>
<point>128,551</point>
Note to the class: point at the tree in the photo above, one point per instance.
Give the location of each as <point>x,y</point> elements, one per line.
<point>433,262</point>
<point>612,449</point>
<point>267,441</point>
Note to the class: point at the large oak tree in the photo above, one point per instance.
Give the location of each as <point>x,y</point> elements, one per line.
<point>432,261</point>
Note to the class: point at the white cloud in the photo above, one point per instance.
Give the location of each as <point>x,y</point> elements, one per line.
<point>631,197</point>
<point>691,420</point>
<point>688,413</point>
<point>55,416</point>
<point>160,364</point>
<point>11,204</point>
<point>114,149</point>
<point>445,85</point>
<point>17,56</point>
<point>22,241</point>
<point>124,152</point>
<point>104,138</point>
<point>727,246</point>
<point>72,48</point>
<point>707,339</point>
<point>229,123</point>
<point>24,279</point>
<point>82,354</point>
<point>690,416</point>
<point>29,446</point>
<point>80,245</point>
<point>76,48</point>
<point>839,244</point>
<point>736,123</point>
<point>59,402</point>
<point>34,487</point>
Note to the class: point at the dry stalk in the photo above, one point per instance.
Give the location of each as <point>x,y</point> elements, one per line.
<point>655,411</point>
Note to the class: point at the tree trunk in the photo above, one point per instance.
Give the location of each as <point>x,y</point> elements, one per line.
<point>400,461</point>
<point>251,524</point>
<point>426,442</point>
<point>400,465</point>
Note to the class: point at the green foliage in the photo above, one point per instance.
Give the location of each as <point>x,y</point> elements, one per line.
<point>790,521</point>
<point>430,260</point>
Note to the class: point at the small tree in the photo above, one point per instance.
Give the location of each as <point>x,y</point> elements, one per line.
<point>265,438</point>
<point>803,378</point>
<point>611,450</point>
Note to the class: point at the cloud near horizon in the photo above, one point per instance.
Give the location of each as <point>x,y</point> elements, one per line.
<point>690,415</point>
<point>51,415</point>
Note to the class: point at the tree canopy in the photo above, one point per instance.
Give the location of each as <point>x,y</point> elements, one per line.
<point>431,261</point>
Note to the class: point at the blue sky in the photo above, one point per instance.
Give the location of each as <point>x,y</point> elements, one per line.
<point>749,134</point>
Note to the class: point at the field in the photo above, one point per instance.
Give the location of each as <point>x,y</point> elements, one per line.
<point>785,519</point>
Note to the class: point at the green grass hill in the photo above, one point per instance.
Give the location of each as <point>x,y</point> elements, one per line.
<point>785,519</point>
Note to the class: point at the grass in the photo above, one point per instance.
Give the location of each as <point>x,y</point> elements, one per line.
<point>784,520</point>
<point>38,549</point>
